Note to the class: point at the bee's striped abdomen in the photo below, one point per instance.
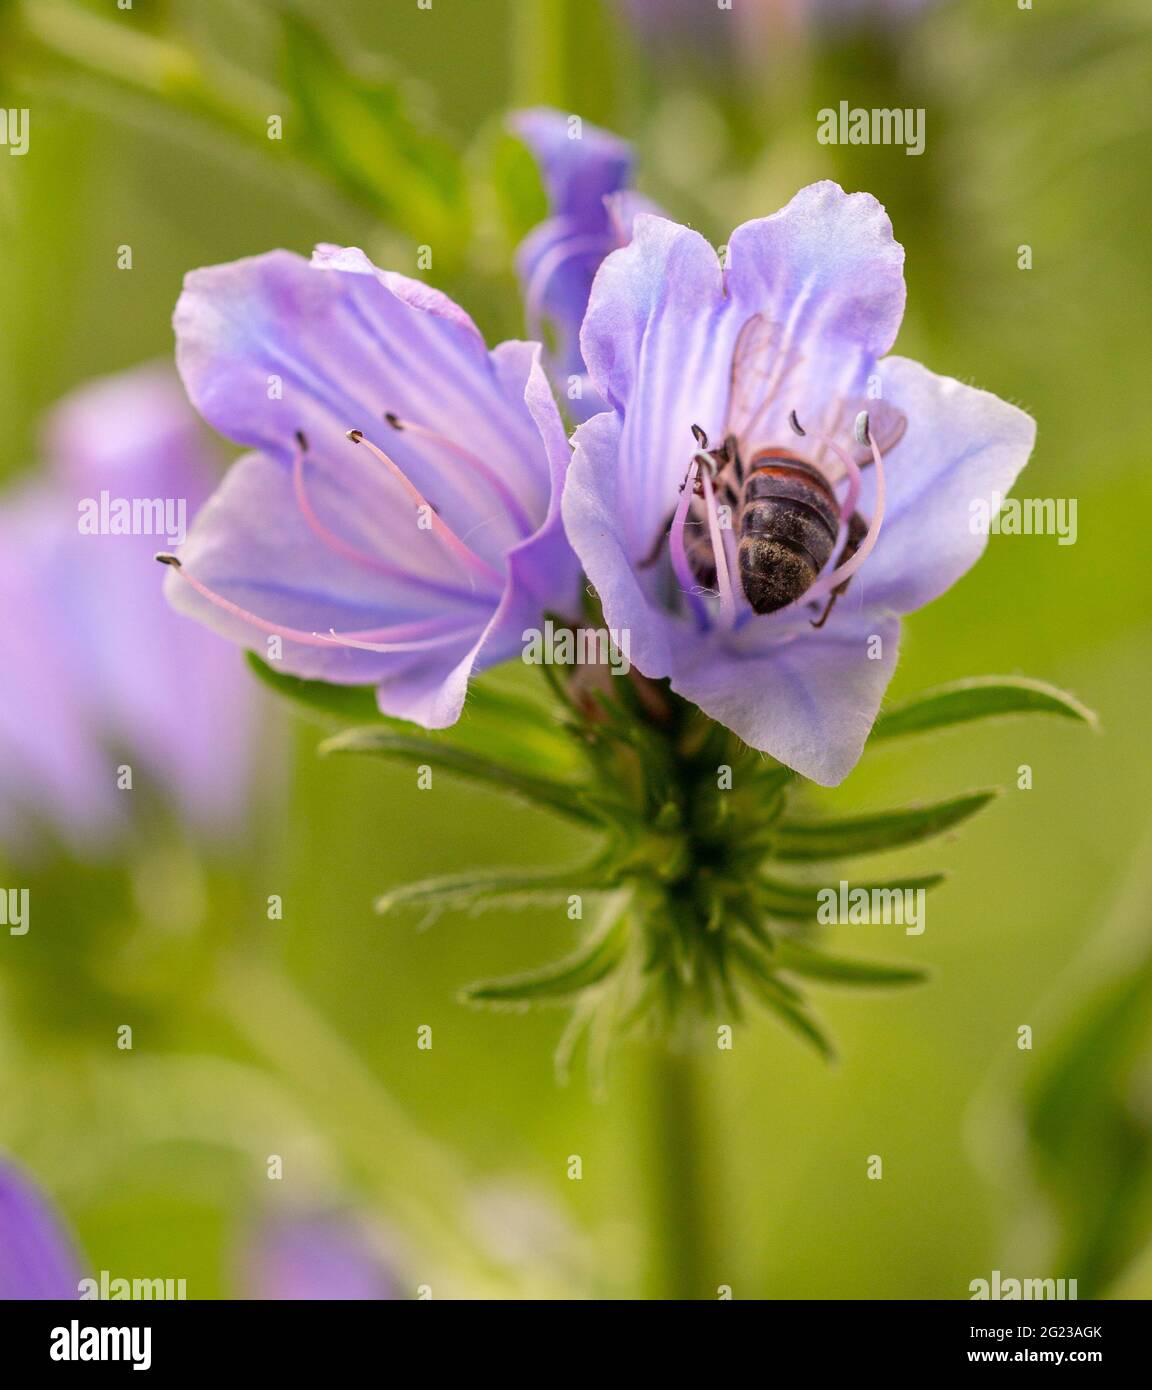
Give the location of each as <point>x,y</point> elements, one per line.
<point>788,524</point>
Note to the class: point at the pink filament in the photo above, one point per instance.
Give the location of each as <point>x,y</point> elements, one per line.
<point>418,632</point>
<point>445,533</point>
<point>342,547</point>
<point>719,553</point>
<point>679,554</point>
<point>851,496</point>
<point>327,537</point>
<point>523,521</point>
<point>845,571</point>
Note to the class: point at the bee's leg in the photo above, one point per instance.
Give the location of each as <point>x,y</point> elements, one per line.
<point>828,607</point>
<point>700,459</point>
<point>857,530</point>
<point>661,536</point>
<point>732,449</point>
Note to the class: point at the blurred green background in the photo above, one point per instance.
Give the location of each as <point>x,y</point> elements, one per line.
<point>299,1037</point>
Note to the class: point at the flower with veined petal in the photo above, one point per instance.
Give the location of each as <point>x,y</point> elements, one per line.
<point>305,1255</point>
<point>92,649</point>
<point>659,339</point>
<point>37,1258</point>
<point>315,1255</point>
<point>586,172</point>
<point>399,524</point>
<point>705,29</point>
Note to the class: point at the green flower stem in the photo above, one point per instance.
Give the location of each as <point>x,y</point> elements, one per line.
<point>538,52</point>
<point>684,1264</point>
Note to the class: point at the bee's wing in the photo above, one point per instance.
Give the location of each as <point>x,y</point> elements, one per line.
<point>886,425</point>
<point>751,385</point>
<point>759,370</point>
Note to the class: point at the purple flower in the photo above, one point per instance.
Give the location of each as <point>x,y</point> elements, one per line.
<point>37,1259</point>
<point>400,522</point>
<point>798,322</point>
<point>586,173</point>
<point>315,1257</point>
<point>705,28</point>
<point>95,656</point>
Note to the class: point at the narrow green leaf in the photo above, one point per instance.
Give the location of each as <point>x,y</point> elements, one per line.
<point>567,800</point>
<point>494,720</point>
<point>836,839</point>
<point>343,703</point>
<point>492,886</point>
<point>799,1020</point>
<point>586,967</point>
<point>986,697</point>
<point>511,179</point>
<point>841,970</point>
<point>798,901</point>
<point>360,123</point>
<point>780,997</point>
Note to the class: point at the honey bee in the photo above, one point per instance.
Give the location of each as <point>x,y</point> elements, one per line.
<point>789,518</point>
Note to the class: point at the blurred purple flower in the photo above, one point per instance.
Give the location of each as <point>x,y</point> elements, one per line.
<point>37,1259</point>
<point>586,173</point>
<point>849,12</point>
<point>95,656</point>
<point>408,566</point>
<point>822,283</point>
<point>706,28</point>
<point>744,34</point>
<point>315,1257</point>
<point>289,1258</point>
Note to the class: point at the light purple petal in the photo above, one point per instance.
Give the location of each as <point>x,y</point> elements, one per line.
<point>252,544</point>
<point>810,703</point>
<point>586,173</point>
<point>543,572</point>
<point>164,690</point>
<point>750,32</point>
<point>824,277</point>
<point>274,345</point>
<point>658,341</point>
<point>827,274</point>
<point>580,163</point>
<point>663,322</point>
<point>101,671</point>
<point>962,445</point>
<point>52,771</point>
<point>596,504</point>
<point>316,1258</point>
<point>37,1259</point>
<point>352,556</point>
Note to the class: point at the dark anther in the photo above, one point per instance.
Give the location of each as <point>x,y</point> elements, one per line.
<point>795,423</point>
<point>163,557</point>
<point>394,420</point>
<point>700,436</point>
<point>355,436</point>
<point>302,440</point>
